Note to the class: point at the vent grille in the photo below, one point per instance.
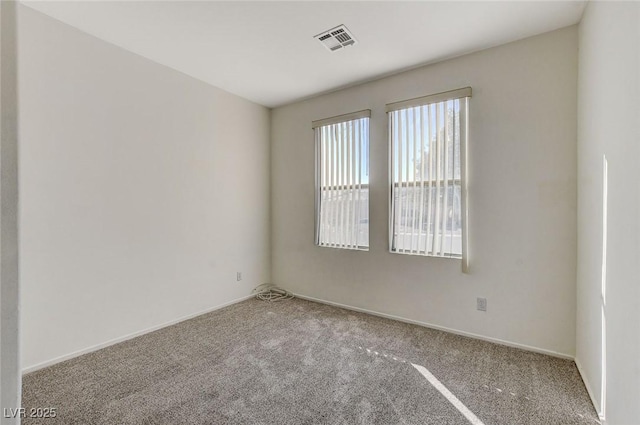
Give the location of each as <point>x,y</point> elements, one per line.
<point>336,38</point>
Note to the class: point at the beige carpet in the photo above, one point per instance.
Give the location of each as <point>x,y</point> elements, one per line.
<point>298,362</point>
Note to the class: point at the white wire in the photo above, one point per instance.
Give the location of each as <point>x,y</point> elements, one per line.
<point>270,292</point>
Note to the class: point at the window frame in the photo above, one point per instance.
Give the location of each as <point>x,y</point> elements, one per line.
<point>339,119</point>
<point>464,96</point>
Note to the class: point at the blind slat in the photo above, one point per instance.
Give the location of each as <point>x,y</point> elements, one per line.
<point>333,241</point>
<point>339,197</point>
<point>422,179</point>
<point>392,216</point>
<point>356,192</point>
<point>445,175</point>
<point>414,194</point>
<point>406,178</point>
<point>345,194</point>
<point>350,181</point>
<point>318,185</point>
<point>438,171</point>
<point>456,144</point>
<point>323,181</point>
<point>429,247</point>
<point>464,202</point>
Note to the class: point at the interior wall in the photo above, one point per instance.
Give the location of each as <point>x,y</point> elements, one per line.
<point>143,192</point>
<point>522,190</point>
<point>609,124</point>
<point>10,376</point>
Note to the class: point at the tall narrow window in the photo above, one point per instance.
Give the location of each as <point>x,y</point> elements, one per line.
<point>427,151</point>
<point>342,181</point>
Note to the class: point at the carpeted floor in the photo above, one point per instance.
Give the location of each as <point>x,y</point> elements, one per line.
<point>298,362</point>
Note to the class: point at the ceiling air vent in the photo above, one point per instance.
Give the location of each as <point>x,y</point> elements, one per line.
<point>336,38</point>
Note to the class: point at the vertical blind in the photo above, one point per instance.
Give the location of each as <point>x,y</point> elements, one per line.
<point>427,173</point>
<point>342,181</point>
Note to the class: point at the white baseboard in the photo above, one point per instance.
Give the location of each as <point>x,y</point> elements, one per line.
<point>441,328</point>
<point>587,385</point>
<point>93,348</point>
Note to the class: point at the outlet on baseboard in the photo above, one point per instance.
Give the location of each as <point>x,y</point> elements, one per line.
<point>481,304</point>
<point>238,276</point>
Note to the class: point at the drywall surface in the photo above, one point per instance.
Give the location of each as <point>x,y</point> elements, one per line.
<point>10,376</point>
<point>609,125</point>
<point>522,167</point>
<point>143,192</point>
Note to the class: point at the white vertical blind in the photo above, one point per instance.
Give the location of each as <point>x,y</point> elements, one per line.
<point>426,154</point>
<point>342,183</point>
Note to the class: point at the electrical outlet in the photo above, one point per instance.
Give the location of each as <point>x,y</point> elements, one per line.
<point>238,276</point>
<point>481,304</point>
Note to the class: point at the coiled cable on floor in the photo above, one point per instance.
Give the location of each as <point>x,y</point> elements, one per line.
<point>270,292</point>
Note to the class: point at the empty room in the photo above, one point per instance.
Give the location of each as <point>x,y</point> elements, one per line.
<point>320,212</point>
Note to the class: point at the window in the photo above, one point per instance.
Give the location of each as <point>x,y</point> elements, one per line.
<point>342,181</point>
<point>427,150</point>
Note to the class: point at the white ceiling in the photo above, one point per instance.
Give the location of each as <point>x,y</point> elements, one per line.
<point>265,51</point>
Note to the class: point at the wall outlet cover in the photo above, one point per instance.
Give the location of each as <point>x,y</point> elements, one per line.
<point>481,304</point>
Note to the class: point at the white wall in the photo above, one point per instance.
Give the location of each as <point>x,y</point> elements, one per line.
<point>522,199</point>
<point>143,192</point>
<point>9,290</point>
<point>609,124</point>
